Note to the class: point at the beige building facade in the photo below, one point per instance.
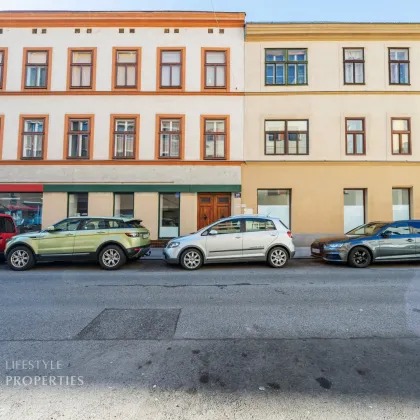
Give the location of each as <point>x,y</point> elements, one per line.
<point>332,124</point>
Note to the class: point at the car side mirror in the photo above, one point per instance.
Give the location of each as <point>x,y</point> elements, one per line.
<point>50,229</point>
<point>213,232</point>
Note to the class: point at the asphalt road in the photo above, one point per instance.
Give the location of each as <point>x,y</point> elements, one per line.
<point>311,341</point>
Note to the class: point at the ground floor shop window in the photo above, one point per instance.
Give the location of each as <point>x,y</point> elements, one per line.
<point>78,204</point>
<point>275,203</point>
<point>124,205</point>
<point>354,209</point>
<point>25,208</point>
<point>401,203</point>
<point>169,215</point>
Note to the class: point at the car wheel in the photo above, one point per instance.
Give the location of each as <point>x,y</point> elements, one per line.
<point>191,259</point>
<point>112,257</point>
<point>359,257</point>
<point>278,257</point>
<point>20,258</point>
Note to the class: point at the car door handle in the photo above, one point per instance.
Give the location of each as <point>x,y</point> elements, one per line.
<point>70,234</point>
<point>102,232</point>
<point>410,240</point>
<point>238,237</point>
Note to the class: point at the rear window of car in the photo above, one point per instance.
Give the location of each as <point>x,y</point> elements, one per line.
<point>134,224</point>
<point>6,225</point>
<point>121,224</point>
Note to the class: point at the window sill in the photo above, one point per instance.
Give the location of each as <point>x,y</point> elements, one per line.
<point>77,158</point>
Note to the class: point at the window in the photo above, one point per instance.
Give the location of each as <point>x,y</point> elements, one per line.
<point>397,230</point>
<point>355,136</point>
<point>286,137</point>
<point>67,225</point>
<point>215,138</point>
<point>37,69</point>
<point>228,227</point>
<point>170,137</point>
<point>6,225</point>
<point>170,63</point>
<point>93,224</point>
<point>33,138</point>
<point>286,67</point>
<point>78,204</point>
<point>354,209</point>
<point>401,136</point>
<point>354,66</point>
<point>124,205</point>
<point>82,69</point>
<point>275,203</point>
<point>216,69</point>
<point>169,215</point>
<point>79,138</point>
<point>25,208</point>
<point>258,225</point>
<point>401,204</point>
<point>126,68</point>
<point>124,138</point>
<point>3,64</point>
<point>399,66</point>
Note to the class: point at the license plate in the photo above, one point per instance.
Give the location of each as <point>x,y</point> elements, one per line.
<point>316,251</point>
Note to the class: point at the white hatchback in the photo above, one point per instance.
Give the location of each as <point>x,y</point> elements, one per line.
<point>234,239</point>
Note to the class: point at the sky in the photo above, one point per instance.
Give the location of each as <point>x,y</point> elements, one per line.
<point>256,10</point>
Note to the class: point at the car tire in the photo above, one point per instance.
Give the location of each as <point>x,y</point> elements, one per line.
<point>112,257</point>
<point>20,258</point>
<point>277,257</point>
<point>191,259</point>
<point>359,257</point>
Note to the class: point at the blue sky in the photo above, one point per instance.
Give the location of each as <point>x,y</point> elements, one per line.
<point>256,10</point>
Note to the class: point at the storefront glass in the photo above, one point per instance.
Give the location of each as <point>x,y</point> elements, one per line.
<point>124,205</point>
<point>275,203</point>
<point>401,203</point>
<point>169,215</point>
<point>78,205</point>
<point>25,208</point>
<point>354,209</point>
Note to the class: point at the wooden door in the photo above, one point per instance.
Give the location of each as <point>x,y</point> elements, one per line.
<point>212,207</point>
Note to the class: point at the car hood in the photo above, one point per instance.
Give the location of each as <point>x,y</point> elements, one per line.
<point>27,235</point>
<point>332,239</point>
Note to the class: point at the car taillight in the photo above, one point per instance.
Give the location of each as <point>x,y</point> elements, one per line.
<point>289,234</point>
<point>133,234</point>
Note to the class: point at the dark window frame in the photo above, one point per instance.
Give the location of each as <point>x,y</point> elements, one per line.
<point>354,62</point>
<point>354,133</point>
<point>179,64</point>
<point>286,132</point>
<point>125,134</point>
<point>160,214</point>
<point>81,65</point>
<point>215,65</point>
<point>2,67</point>
<point>33,133</point>
<point>400,132</point>
<point>286,67</point>
<point>399,62</point>
<point>46,65</point>
<point>70,132</point>
<point>170,133</point>
<point>68,206</point>
<point>208,133</point>
<point>123,193</point>
<point>125,66</point>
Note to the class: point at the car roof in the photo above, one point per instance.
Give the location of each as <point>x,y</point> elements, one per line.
<point>6,215</point>
<point>250,216</point>
<point>103,217</point>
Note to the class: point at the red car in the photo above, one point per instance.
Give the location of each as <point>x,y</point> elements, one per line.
<point>8,229</point>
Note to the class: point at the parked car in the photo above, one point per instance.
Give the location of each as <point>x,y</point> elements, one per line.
<point>372,242</point>
<point>109,240</point>
<point>8,229</point>
<point>233,239</point>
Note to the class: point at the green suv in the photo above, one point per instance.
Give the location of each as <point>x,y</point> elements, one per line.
<point>109,240</point>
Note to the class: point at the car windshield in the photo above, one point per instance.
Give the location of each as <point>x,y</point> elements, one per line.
<point>367,230</point>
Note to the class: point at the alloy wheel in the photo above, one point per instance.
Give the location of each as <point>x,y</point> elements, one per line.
<point>360,257</point>
<point>19,258</point>
<point>192,259</point>
<point>278,257</point>
<point>111,258</point>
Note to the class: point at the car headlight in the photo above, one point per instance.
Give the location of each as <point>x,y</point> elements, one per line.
<point>173,244</point>
<point>334,246</point>
<point>145,235</point>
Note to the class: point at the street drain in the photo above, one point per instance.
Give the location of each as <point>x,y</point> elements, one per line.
<point>132,324</point>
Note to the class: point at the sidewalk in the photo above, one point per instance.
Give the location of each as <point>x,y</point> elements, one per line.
<point>301,252</point>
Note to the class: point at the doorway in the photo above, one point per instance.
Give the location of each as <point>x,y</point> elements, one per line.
<point>212,207</point>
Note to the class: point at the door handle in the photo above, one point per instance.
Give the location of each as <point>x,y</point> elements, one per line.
<point>70,234</point>
<point>238,237</point>
<point>102,232</point>
<point>410,240</point>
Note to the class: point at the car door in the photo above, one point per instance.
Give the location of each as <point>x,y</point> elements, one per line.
<point>397,241</point>
<point>258,235</point>
<point>91,233</point>
<point>225,242</point>
<point>7,231</point>
<point>60,241</point>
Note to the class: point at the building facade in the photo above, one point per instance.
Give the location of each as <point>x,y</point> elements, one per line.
<point>136,114</point>
<point>332,124</point>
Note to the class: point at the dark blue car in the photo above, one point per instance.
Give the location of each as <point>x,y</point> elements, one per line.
<point>376,241</point>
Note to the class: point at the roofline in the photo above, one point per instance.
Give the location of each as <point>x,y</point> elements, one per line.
<point>51,19</point>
